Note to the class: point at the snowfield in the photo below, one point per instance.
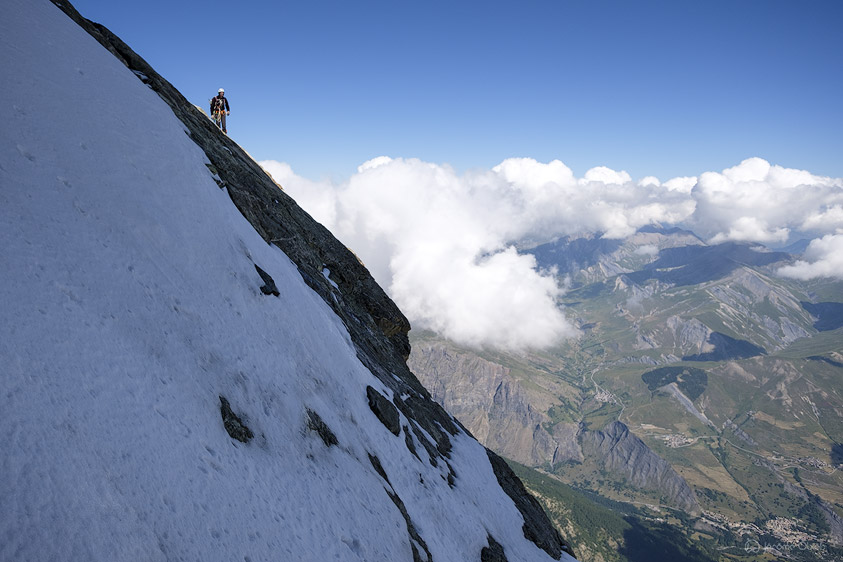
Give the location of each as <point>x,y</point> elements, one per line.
<point>131,303</point>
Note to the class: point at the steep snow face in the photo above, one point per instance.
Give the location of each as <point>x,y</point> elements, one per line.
<point>131,303</point>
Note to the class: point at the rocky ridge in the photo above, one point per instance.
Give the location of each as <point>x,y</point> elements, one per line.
<point>376,326</point>
<point>624,453</point>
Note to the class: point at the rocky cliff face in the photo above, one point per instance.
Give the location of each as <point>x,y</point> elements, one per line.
<point>485,397</point>
<point>622,452</point>
<point>498,411</point>
<point>377,328</point>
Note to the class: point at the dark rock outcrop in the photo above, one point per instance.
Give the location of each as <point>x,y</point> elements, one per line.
<point>537,527</point>
<point>621,452</point>
<point>384,410</point>
<point>316,424</point>
<point>411,445</point>
<point>233,424</point>
<point>269,287</point>
<point>492,553</point>
<point>417,543</point>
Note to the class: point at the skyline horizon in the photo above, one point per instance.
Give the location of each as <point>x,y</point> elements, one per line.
<point>438,236</point>
<point>655,89</point>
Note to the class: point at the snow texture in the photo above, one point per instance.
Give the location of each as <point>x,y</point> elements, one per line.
<point>131,303</point>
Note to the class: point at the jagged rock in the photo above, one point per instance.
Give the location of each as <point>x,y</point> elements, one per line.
<point>689,335</point>
<point>233,424</point>
<point>315,423</point>
<point>489,401</point>
<point>568,446</point>
<point>620,451</point>
<point>411,445</point>
<point>427,410</point>
<point>492,553</point>
<point>432,451</point>
<point>384,410</point>
<point>452,476</point>
<point>268,288</point>
<point>376,464</point>
<point>417,543</point>
<point>537,528</point>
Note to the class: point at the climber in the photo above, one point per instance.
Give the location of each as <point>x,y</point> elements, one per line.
<point>219,109</point>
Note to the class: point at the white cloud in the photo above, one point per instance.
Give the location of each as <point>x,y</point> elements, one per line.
<point>826,259</point>
<point>602,174</point>
<point>824,220</point>
<point>442,243</point>
<point>751,229</point>
<point>498,300</point>
<point>553,202</point>
<point>373,163</point>
<point>647,250</point>
<point>759,202</point>
<point>533,175</point>
<point>682,185</point>
<point>750,170</point>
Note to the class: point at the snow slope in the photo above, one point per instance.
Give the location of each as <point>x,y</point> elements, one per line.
<point>130,303</point>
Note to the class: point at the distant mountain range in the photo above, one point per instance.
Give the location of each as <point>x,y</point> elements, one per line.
<point>702,381</point>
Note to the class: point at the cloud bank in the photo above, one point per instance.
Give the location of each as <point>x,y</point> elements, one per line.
<point>444,244</point>
<point>759,202</point>
<point>827,256</point>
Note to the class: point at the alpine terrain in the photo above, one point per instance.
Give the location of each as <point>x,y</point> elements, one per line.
<point>702,400</point>
<point>194,369</point>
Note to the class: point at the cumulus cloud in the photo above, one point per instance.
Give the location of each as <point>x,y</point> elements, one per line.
<point>751,229</point>
<point>759,202</point>
<point>603,200</point>
<point>825,257</point>
<point>825,219</point>
<point>602,174</point>
<point>682,185</point>
<point>443,244</point>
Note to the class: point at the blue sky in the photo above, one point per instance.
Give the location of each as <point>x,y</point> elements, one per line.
<point>653,88</point>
